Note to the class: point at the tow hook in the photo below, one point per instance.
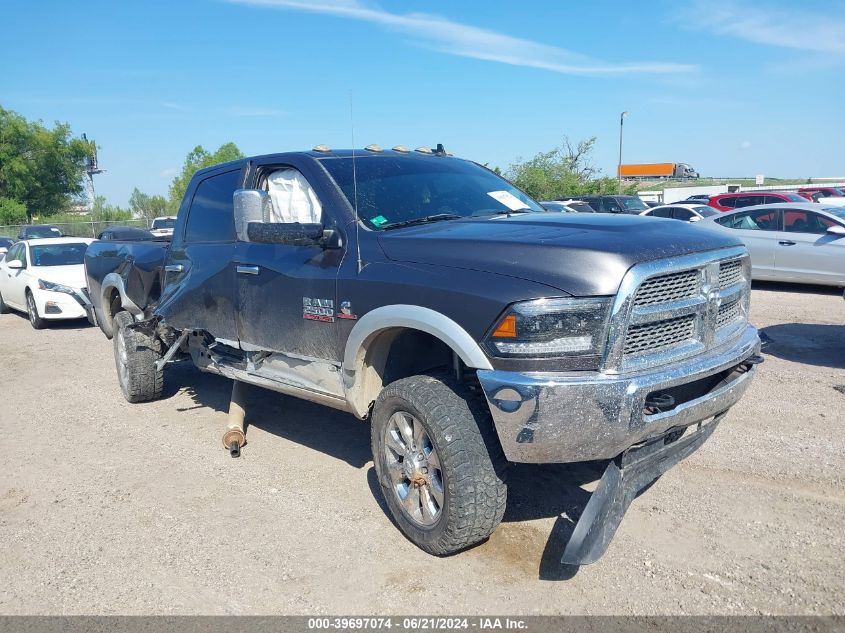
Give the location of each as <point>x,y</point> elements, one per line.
<point>755,359</point>
<point>234,438</point>
<point>659,401</point>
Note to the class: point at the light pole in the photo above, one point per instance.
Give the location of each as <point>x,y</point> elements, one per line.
<point>619,168</point>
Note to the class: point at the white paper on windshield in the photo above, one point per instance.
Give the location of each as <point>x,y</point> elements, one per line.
<point>508,199</point>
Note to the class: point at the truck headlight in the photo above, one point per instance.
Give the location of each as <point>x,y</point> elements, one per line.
<point>547,328</point>
<point>49,285</point>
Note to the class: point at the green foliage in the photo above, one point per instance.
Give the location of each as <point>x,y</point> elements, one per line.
<point>39,167</point>
<point>12,212</point>
<point>145,206</point>
<point>197,159</point>
<point>562,172</point>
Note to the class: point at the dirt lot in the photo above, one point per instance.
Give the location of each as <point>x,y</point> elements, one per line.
<point>107,507</point>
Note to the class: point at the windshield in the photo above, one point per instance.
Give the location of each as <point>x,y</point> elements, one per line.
<point>67,254</point>
<point>705,212</point>
<point>393,190</point>
<point>839,212</point>
<point>5,243</point>
<point>794,197</point>
<point>164,223</point>
<point>633,204</point>
<point>42,231</point>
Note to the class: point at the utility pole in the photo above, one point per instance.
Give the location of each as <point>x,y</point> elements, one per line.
<point>91,169</point>
<point>619,167</point>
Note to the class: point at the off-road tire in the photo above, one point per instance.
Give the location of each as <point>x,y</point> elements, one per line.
<point>4,309</point>
<point>135,354</point>
<point>32,312</point>
<point>473,466</point>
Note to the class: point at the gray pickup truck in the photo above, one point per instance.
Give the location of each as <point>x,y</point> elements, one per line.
<point>471,328</point>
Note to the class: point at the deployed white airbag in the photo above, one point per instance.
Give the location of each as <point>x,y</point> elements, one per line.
<point>293,198</point>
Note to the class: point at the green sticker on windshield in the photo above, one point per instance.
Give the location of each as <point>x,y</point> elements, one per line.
<point>378,220</point>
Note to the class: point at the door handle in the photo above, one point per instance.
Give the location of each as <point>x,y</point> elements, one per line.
<point>174,268</point>
<point>786,243</point>
<point>248,270</point>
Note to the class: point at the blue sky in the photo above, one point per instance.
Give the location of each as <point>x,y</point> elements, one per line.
<point>734,87</point>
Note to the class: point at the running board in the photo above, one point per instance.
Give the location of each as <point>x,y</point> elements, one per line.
<point>625,476</point>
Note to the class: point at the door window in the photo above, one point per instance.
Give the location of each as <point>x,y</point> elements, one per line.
<point>212,215</point>
<point>800,221</point>
<point>293,198</point>
<point>16,252</point>
<point>611,206</point>
<point>683,214</point>
<point>729,202</point>
<point>747,201</point>
<point>760,220</point>
<point>665,212</point>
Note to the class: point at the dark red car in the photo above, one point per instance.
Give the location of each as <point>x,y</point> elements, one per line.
<point>814,193</point>
<point>739,199</point>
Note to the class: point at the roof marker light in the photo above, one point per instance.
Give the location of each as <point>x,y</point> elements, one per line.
<point>373,148</point>
<point>322,148</point>
<point>424,150</point>
<point>401,148</point>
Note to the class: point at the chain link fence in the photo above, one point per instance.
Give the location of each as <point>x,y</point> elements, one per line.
<point>83,228</point>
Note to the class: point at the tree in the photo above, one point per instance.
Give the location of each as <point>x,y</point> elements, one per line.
<point>564,171</point>
<point>12,211</point>
<point>197,159</point>
<point>39,167</point>
<point>147,206</point>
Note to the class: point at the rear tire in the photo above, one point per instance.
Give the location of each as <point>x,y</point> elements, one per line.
<point>4,309</point>
<point>135,354</point>
<point>32,312</point>
<point>439,463</point>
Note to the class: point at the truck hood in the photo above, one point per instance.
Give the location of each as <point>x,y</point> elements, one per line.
<point>582,255</point>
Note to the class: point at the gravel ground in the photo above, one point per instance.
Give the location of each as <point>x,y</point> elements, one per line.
<point>107,507</point>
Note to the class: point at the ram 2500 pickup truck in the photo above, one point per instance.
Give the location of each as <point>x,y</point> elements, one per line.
<point>471,328</point>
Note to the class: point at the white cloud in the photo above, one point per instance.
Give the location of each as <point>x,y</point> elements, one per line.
<point>796,27</point>
<point>464,40</point>
<point>745,145</point>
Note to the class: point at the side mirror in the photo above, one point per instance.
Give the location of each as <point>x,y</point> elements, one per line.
<point>836,229</point>
<point>252,206</point>
<point>695,218</point>
<point>293,233</point>
<point>15,264</point>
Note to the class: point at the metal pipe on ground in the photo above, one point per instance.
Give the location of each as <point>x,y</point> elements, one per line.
<point>234,438</point>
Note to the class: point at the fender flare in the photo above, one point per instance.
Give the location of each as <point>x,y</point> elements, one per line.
<point>414,318</point>
<point>113,281</point>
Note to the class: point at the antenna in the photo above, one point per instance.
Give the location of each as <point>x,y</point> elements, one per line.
<point>355,189</point>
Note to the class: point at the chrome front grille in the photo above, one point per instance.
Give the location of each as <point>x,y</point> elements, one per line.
<point>728,313</point>
<point>730,273</point>
<point>677,308</point>
<point>671,287</point>
<point>660,335</point>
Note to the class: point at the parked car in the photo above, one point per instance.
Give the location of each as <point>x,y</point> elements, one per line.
<point>470,327</point>
<point>127,233</point>
<point>614,204</point>
<point>36,231</point>
<point>741,199</point>
<point>163,226</point>
<point>823,192</point>
<point>46,279</point>
<point>699,198</point>
<point>801,242</point>
<point>652,203</point>
<point>567,206</point>
<point>5,243</point>
<point>681,211</point>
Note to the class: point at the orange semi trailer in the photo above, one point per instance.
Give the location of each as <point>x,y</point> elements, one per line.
<point>658,170</point>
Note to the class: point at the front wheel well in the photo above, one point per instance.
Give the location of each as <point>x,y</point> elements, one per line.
<point>396,353</point>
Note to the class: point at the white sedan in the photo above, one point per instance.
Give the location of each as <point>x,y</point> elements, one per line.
<point>796,242</point>
<point>682,211</point>
<point>46,279</point>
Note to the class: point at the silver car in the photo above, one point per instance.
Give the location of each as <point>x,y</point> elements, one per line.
<point>798,242</point>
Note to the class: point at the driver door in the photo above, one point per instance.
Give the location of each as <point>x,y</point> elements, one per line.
<point>287,293</point>
<point>14,283</point>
